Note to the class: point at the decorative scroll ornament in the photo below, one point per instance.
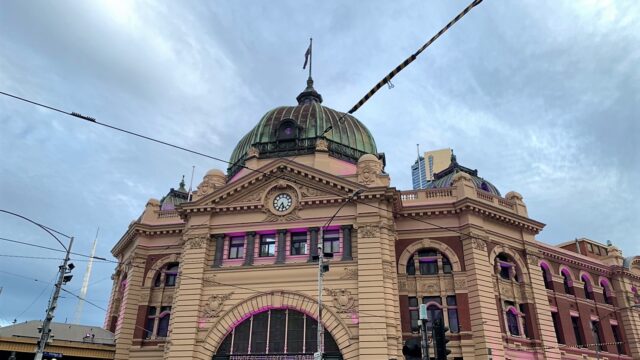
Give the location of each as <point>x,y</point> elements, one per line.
<point>214,305</point>
<point>343,300</point>
<point>253,152</point>
<point>349,274</point>
<point>431,287</point>
<point>366,175</point>
<point>368,230</point>
<point>322,145</point>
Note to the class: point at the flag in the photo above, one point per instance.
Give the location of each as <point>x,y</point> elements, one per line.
<point>306,57</point>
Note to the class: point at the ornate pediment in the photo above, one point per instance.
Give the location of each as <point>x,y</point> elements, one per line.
<point>254,190</point>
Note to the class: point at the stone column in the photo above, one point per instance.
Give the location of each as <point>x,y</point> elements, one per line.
<point>313,243</point>
<point>282,241</point>
<point>248,253</point>
<point>217,260</point>
<point>128,311</point>
<point>540,308</point>
<point>346,242</point>
<point>484,312</point>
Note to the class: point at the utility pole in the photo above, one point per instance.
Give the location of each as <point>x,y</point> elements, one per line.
<point>63,278</point>
<point>320,351</point>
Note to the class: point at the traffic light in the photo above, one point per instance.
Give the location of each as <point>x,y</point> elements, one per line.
<point>440,339</point>
<point>412,349</point>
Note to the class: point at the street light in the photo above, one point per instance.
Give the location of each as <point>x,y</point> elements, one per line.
<point>63,278</point>
<point>322,268</point>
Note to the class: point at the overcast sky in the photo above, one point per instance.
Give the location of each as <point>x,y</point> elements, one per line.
<point>541,97</point>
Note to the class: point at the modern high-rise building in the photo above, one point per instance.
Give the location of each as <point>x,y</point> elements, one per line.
<point>232,273</point>
<point>425,167</point>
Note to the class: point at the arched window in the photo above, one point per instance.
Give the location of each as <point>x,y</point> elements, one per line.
<point>588,289</point>
<point>636,296</point>
<point>434,309</point>
<point>506,267</point>
<point>513,324</point>
<point>429,262</point>
<point>568,283</point>
<point>546,275</point>
<point>606,292</point>
<point>278,332</point>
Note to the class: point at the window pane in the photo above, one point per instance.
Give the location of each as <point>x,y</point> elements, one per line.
<point>413,302</point>
<point>556,327</point>
<point>428,267</point>
<point>414,316</point>
<point>451,300</point>
<point>512,322</point>
<point>148,327</point>
<point>311,335</point>
<point>331,241</point>
<point>446,265</point>
<point>259,333</point>
<point>225,347</point>
<point>241,338</point>
<point>299,243</point>
<point>428,299</point>
<point>411,266</point>
<point>163,325</point>
<point>453,320</point>
<point>575,322</point>
<point>267,245</point>
<point>277,331</point>
<point>295,332</point>
<point>236,247</point>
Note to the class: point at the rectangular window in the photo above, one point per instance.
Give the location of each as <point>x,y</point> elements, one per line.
<point>597,250</point>
<point>556,327</point>
<point>267,245</point>
<point>299,243</point>
<point>331,243</point>
<point>575,323</point>
<point>589,247</point>
<point>446,265</point>
<point>617,338</point>
<point>413,314</point>
<point>236,247</point>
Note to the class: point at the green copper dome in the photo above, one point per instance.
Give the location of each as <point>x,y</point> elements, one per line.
<point>294,130</point>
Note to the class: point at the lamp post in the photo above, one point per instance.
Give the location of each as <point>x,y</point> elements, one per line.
<point>63,278</point>
<point>321,270</point>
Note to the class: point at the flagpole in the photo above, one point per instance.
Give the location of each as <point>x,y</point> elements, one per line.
<point>310,55</point>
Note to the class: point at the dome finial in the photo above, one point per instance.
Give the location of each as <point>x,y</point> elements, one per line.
<point>182,184</point>
<point>309,94</point>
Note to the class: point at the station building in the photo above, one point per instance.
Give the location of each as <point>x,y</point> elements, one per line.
<point>229,272</point>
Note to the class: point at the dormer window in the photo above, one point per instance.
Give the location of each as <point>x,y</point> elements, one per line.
<point>288,130</point>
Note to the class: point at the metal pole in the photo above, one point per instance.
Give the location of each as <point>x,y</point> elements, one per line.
<point>320,275</point>
<point>46,323</point>
<point>425,341</point>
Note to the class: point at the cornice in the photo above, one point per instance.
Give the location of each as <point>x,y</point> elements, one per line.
<point>140,228</point>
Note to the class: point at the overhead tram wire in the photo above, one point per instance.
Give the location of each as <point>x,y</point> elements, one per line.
<point>49,248</point>
<point>344,196</point>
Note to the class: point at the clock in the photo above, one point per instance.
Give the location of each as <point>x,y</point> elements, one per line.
<point>282,202</point>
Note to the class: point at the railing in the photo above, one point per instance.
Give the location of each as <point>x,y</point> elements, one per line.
<point>500,201</point>
<point>427,194</point>
<point>164,214</point>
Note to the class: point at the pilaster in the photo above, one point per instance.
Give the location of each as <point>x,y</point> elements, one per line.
<point>186,301</point>
<point>543,321</point>
<point>128,311</point>
<point>482,303</point>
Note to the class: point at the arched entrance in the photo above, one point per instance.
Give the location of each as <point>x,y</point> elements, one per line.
<point>276,334</point>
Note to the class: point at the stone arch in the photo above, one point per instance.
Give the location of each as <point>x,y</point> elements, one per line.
<point>279,300</point>
<point>148,280</point>
<point>590,282</point>
<point>521,266</point>
<point>428,243</point>
<point>565,269</point>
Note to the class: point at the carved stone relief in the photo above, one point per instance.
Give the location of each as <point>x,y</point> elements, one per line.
<point>209,281</point>
<point>343,300</point>
<point>195,241</point>
<point>215,304</point>
<point>349,274</point>
<point>322,145</point>
<point>460,283</point>
<point>368,230</point>
<point>533,260</point>
<point>366,175</point>
<point>478,244</point>
<point>431,286</point>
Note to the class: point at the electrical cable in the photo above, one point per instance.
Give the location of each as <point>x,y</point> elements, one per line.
<point>344,196</point>
<point>49,248</point>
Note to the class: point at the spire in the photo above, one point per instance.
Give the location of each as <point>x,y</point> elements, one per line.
<point>182,184</point>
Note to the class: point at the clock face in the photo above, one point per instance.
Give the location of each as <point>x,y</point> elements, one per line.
<point>282,202</point>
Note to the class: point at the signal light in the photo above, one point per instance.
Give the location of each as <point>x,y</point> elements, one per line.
<point>412,349</point>
<point>440,339</point>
